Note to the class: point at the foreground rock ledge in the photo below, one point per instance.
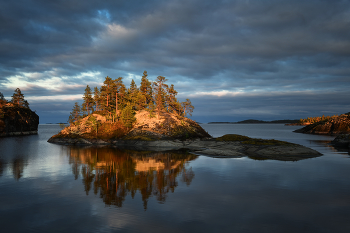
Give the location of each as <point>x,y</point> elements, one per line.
<point>216,147</point>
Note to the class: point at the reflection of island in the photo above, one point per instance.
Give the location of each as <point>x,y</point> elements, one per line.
<point>115,173</point>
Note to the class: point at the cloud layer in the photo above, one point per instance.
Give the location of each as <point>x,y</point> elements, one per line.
<point>234,59</point>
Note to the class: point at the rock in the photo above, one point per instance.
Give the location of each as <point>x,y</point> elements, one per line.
<point>18,121</point>
<point>334,126</point>
<point>342,140</point>
<point>234,146</point>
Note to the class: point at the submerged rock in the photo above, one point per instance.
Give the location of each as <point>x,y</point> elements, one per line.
<point>334,126</point>
<point>18,121</point>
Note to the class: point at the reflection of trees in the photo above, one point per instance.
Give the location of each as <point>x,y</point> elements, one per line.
<point>114,173</point>
<point>17,166</point>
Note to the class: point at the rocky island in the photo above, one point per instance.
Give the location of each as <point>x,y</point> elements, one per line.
<point>330,126</point>
<point>16,118</point>
<point>151,118</point>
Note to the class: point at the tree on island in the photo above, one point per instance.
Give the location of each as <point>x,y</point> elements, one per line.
<point>88,100</point>
<point>187,107</point>
<point>18,99</point>
<point>159,86</point>
<point>75,115</point>
<point>128,116</point>
<point>119,104</point>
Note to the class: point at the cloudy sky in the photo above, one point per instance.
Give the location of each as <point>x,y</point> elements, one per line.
<point>235,60</point>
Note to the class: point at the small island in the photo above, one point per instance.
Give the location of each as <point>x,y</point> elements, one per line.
<point>151,118</point>
<point>16,118</point>
<point>334,125</point>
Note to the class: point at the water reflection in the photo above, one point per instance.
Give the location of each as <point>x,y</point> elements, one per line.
<point>18,166</point>
<point>114,173</point>
<point>15,165</point>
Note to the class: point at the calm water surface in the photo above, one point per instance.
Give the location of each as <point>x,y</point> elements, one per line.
<point>52,188</point>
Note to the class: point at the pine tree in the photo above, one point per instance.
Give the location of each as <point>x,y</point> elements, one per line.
<point>159,86</point>
<point>187,107</point>
<point>18,99</point>
<point>173,104</point>
<point>128,116</point>
<point>88,100</point>
<point>75,115</point>
<point>106,94</point>
<point>132,94</point>
<point>120,94</point>
<point>146,89</point>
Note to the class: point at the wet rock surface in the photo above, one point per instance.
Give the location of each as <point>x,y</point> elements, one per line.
<point>16,121</point>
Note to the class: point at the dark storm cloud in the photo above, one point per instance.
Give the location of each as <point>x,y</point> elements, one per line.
<point>201,46</point>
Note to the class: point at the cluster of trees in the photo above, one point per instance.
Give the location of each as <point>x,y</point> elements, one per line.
<point>312,120</point>
<point>113,99</point>
<point>16,100</point>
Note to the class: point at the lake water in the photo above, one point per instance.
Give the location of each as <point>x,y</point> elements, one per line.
<point>51,188</point>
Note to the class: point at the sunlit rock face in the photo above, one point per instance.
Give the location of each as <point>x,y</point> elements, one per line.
<point>145,128</point>
<point>18,121</point>
<point>334,126</point>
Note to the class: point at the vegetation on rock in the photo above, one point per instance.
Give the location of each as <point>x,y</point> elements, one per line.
<point>151,112</point>
<point>332,126</point>
<point>16,116</point>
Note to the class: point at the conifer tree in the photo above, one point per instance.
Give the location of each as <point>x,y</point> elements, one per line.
<point>173,104</point>
<point>75,115</point>
<point>146,88</point>
<point>132,96</point>
<point>119,93</point>
<point>160,87</point>
<point>106,94</point>
<point>187,107</point>
<point>128,116</point>
<point>88,100</point>
<point>18,99</point>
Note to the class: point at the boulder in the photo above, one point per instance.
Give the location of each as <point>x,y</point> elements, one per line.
<point>342,140</point>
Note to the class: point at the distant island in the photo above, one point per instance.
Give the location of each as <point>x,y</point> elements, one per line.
<point>252,121</point>
<point>16,118</point>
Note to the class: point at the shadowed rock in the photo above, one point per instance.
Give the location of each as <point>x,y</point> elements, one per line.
<point>18,121</point>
